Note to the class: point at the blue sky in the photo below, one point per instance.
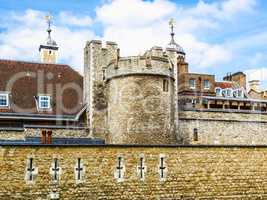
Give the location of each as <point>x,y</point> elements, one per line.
<point>219,36</point>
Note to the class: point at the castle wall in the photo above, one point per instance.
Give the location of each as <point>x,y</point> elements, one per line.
<point>222,127</point>
<point>140,111</point>
<point>35,132</point>
<point>228,173</point>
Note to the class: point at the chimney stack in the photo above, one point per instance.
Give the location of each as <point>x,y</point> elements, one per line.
<point>49,137</point>
<point>46,137</point>
<point>43,137</point>
<point>254,84</point>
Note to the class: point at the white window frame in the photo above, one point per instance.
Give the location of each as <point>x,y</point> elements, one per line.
<point>5,94</point>
<point>208,87</point>
<point>40,102</point>
<point>231,92</point>
<point>220,93</point>
<point>194,80</point>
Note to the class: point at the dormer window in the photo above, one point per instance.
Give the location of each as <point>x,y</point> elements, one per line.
<point>4,100</point>
<point>44,102</point>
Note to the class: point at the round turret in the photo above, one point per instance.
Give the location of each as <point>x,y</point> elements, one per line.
<point>140,99</point>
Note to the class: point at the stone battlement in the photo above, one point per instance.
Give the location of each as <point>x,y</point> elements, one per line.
<point>103,44</point>
<point>153,62</point>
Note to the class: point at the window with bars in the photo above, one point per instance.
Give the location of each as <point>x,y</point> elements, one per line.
<point>4,101</point>
<point>44,102</point>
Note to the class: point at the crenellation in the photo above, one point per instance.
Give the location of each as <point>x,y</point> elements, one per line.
<point>157,51</point>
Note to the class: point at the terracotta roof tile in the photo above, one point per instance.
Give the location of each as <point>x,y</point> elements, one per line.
<point>26,80</point>
<point>224,85</point>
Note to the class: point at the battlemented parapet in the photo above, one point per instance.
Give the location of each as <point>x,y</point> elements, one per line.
<point>152,63</point>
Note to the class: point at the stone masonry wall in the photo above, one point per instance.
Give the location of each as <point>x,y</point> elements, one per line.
<point>190,173</point>
<point>223,128</point>
<point>97,57</point>
<point>140,111</point>
<point>20,135</point>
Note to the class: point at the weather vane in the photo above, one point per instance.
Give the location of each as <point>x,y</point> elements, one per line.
<point>48,19</point>
<point>171,23</point>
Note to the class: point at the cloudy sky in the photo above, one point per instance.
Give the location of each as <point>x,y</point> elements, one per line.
<point>219,36</point>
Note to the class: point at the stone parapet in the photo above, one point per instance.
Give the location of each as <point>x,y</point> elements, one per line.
<point>140,65</point>
<point>36,132</point>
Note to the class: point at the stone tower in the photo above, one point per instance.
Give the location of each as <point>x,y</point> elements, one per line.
<point>132,100</point>
<point>141,104</point>
<point>96,59</point>
<point>49,50</point>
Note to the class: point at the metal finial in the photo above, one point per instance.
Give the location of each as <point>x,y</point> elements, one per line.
<point>48,19</point>
<point>171,24</point>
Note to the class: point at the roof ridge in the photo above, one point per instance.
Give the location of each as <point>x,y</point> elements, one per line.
<point>33,62</point>
<point>40,63</point>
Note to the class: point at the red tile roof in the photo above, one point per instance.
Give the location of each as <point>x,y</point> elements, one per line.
<point>26,80</point>
<point>224,85</point>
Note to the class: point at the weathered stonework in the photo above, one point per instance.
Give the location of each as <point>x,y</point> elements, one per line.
<point>222,127</point>
<point>140,111</point>
<point>203,173</point>
<point>96,59</point>
<point>131,99</point>
<point>61,133</point>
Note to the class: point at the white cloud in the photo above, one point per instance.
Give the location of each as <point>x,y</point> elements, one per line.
<point>135,25</point>
<point>138,25</point>
<point>221,9</point>
<point>28,30</point>
<point>238,6</point>
<point>67,18</point>
<point>132,13</point>
<point>201,54</point>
